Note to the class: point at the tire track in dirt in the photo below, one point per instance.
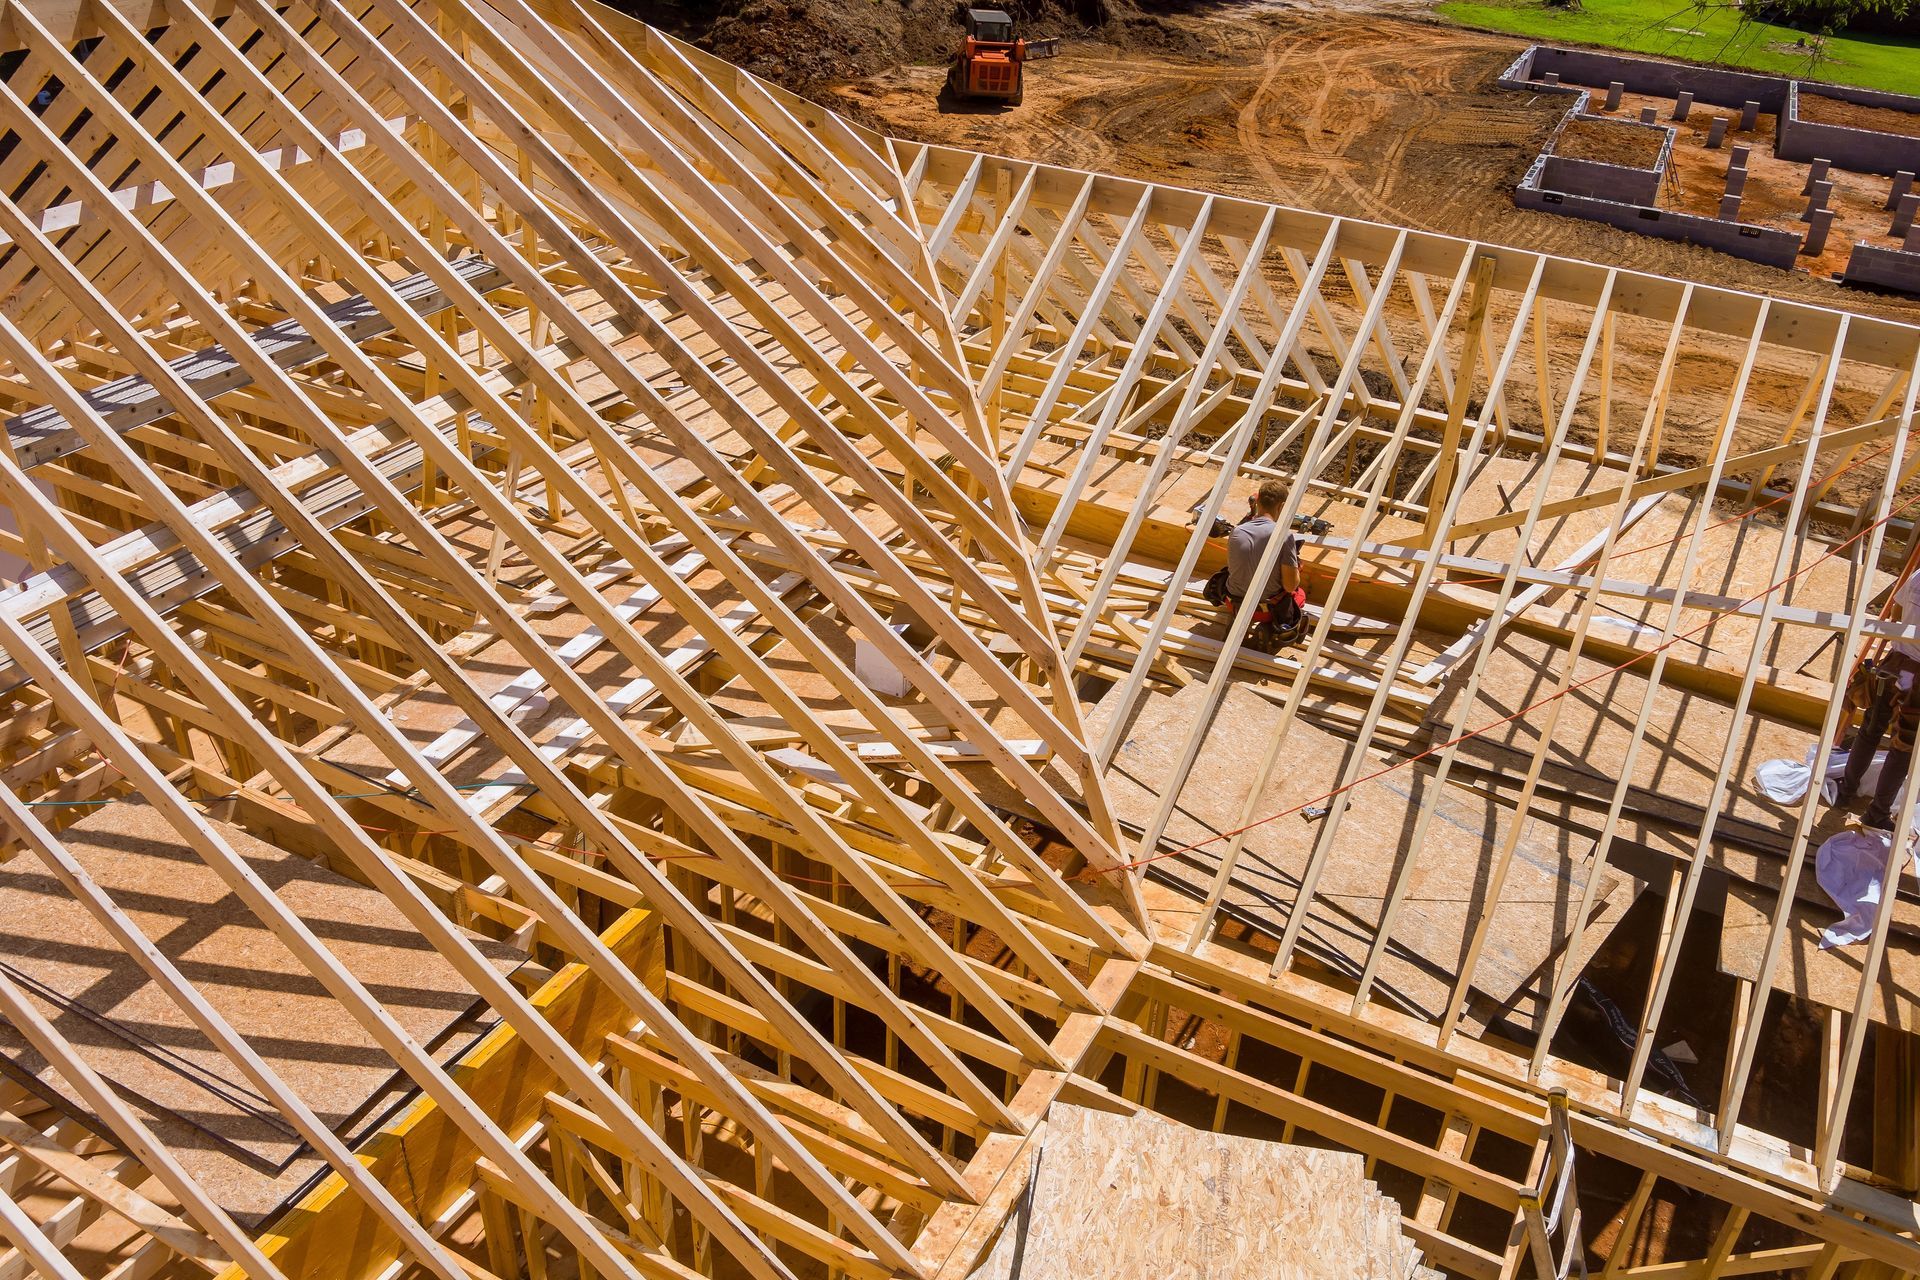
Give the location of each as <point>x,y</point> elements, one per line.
<point>1273,63</point>
<point>1364,88</point>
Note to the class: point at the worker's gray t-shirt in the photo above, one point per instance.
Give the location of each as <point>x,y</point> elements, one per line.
<point>1245,545</point>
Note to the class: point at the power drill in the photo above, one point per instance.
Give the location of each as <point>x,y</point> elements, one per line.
<point>1313,525</point>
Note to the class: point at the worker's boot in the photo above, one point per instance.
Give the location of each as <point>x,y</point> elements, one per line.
<point>1893,775</point>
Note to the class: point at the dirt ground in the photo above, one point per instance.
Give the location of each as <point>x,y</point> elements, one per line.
<point>808,44</point>
<point>1856,116</point>
<point>1610,144</point>
<point>1379,113</point>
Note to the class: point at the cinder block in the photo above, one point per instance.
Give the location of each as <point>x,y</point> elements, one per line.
<point>1730,208</point>
<point>1683,105</point>
<point>1717,132</point>
<point>1736,181</point>
<point>1551,77</point>
<point>1614,90</point>
<point>1817,202</point>
<point>1815,173</point>
<point>1912,243</point>
<point>1737,158</point>
<point>1903,216</point>
<point>1817,232</point>
<point>1648,115</point>
<point>1902,183</point>
<point>1750,117</point>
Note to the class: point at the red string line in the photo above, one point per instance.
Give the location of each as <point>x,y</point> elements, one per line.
<point>1091,873</point>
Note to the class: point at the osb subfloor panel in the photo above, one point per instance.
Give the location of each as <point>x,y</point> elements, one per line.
<point>1674,770</point>
<point>1447,893</point>
<point>128,1029</point>
<point>1144,1198</point>
<point>1830,978</point>
<point>1737,558</point>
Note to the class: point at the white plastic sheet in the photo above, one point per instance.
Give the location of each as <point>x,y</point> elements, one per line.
<point>1785,781</point>
<point>1850,864</point>
<point>1849,867</point>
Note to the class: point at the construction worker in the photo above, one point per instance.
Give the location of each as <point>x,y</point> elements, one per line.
<point>1882,692</point>
<point>1281,597</point>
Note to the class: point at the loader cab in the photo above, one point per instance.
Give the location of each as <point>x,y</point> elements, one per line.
<point>987,65</point>
<point>990,26</point>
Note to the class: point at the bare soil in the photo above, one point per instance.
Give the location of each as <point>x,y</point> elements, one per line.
<point>1854,115</point>
<point>1608,142</point>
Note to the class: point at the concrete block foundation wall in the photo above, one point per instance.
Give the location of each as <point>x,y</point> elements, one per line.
<point>1886,268</point>
<point>1575,175</point>
<point>1627,197</point>
<point>1862,150</point>
<point>1647,75</point>
<point>1606,181</point>
<point>1743,240</point>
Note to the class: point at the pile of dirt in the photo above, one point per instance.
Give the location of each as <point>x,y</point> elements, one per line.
<point>807,44</point>
<point>1610,142</point>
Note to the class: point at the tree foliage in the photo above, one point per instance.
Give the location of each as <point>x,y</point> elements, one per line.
<point>1829,17</point>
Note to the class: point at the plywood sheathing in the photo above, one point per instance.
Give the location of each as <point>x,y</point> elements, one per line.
<point>1141,1197</point>
<point>1674,769</point>
<point>128,1029</point>
<point>1828,977</point>
<point>1447,889</point>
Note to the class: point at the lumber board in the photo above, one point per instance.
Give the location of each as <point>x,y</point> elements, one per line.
<point>43,435</point>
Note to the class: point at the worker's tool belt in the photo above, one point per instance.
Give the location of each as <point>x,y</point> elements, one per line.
<point>1286,608</point>
<point>1875,688</point>
<point>1216,592</point>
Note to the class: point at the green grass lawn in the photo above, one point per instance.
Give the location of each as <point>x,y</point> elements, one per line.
<point>1676,29</point>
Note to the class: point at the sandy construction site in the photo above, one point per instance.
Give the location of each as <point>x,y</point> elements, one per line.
<point>1370,111</point>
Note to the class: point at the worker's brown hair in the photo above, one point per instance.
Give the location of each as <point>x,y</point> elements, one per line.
<point>1272,496</point>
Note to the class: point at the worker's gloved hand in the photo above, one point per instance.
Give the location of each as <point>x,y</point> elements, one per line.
<point>1220,529</point>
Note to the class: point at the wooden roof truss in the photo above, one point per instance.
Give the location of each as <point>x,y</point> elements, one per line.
<point>491,449</point>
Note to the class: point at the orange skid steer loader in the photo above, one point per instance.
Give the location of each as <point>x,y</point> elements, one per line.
<point>988,65</point>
